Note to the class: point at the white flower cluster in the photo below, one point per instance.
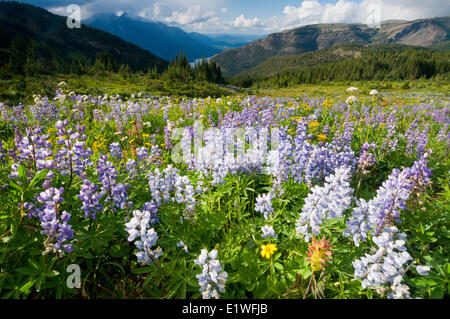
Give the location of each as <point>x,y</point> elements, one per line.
<point>138,227</point>
<point>386,266</point>
<point>328,201</point>
<point>384,269</point>
<point>264,204</point>
<point>212,279</point>
<point>184,193</point>
<point>268,231</point>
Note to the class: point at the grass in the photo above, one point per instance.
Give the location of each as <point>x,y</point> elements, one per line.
<point>21,89</point>
<point>337,89</point>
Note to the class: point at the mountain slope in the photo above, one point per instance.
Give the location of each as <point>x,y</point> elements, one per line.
<point>348,62</point>
<point>159,38</point>
<point>33,38</point>
<point>422,32</point>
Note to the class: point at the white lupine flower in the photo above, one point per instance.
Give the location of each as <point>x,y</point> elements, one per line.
<point>351,99</point>
<point>212,279</point>
<point>423,270</point>
<point>384,270</point>
<point>137,228</point>
<point>352,89</point>
<point>328,201</point>
<point>268,231</point>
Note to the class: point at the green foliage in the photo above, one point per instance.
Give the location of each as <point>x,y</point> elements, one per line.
<point>180,71</point>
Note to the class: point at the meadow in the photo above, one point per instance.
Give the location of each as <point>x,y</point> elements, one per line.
<point>307,193</point>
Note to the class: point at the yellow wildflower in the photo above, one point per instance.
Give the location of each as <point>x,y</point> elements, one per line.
<point>268,250</point>
<point>322,137</point>
<point>314,124</point>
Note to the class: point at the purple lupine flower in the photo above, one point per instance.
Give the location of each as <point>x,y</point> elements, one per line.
<point>115,192</point>
<point>90,198</point>
<point>54,224</point>
<point>34,148</point>
<point>73,157</point>
<point>391,198</point>
<point>366,158</point>
<point>2,152</point>
<point>115,151</point>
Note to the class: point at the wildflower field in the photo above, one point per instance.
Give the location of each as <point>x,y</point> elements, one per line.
<point>236,197</point>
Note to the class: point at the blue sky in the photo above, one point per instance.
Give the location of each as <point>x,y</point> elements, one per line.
<point>255,16</point>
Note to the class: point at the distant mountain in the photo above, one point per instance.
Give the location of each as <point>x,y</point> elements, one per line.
<point>424,32</point>
<point>163,40</point>
<point>37,41</point>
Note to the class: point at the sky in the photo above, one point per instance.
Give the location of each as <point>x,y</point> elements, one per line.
<point>255,16</point>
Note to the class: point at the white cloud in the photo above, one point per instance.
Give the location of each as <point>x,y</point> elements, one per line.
<point>243,22</point>
<point>207,15</point>
<point>348,11</point>
<point>193,14</point>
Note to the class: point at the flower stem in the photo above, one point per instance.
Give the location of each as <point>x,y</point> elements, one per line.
<point>309,285</point>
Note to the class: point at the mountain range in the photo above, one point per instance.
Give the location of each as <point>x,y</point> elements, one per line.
<point>423,32</point>
<point>163,40</point>
<point>160,39</point>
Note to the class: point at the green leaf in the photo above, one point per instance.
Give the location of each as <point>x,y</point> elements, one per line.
<point>278,266</point>
<point>174,290</point>
<point>424,282</point>
<point>33,264</point>
<point>39,176</point>
<point>25,288</point>
<point>22,173</point>
<point>142,270</point>
<point>119,251</point>
<point>28,271</point>
<point>16,186</point>
<point>14,226</point>
<point>51,273</point>
<point>437,292</point>
<point>39,283</point>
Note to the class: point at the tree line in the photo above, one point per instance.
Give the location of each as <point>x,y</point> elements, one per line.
<point>27,57</point>
<point>379,65</point>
